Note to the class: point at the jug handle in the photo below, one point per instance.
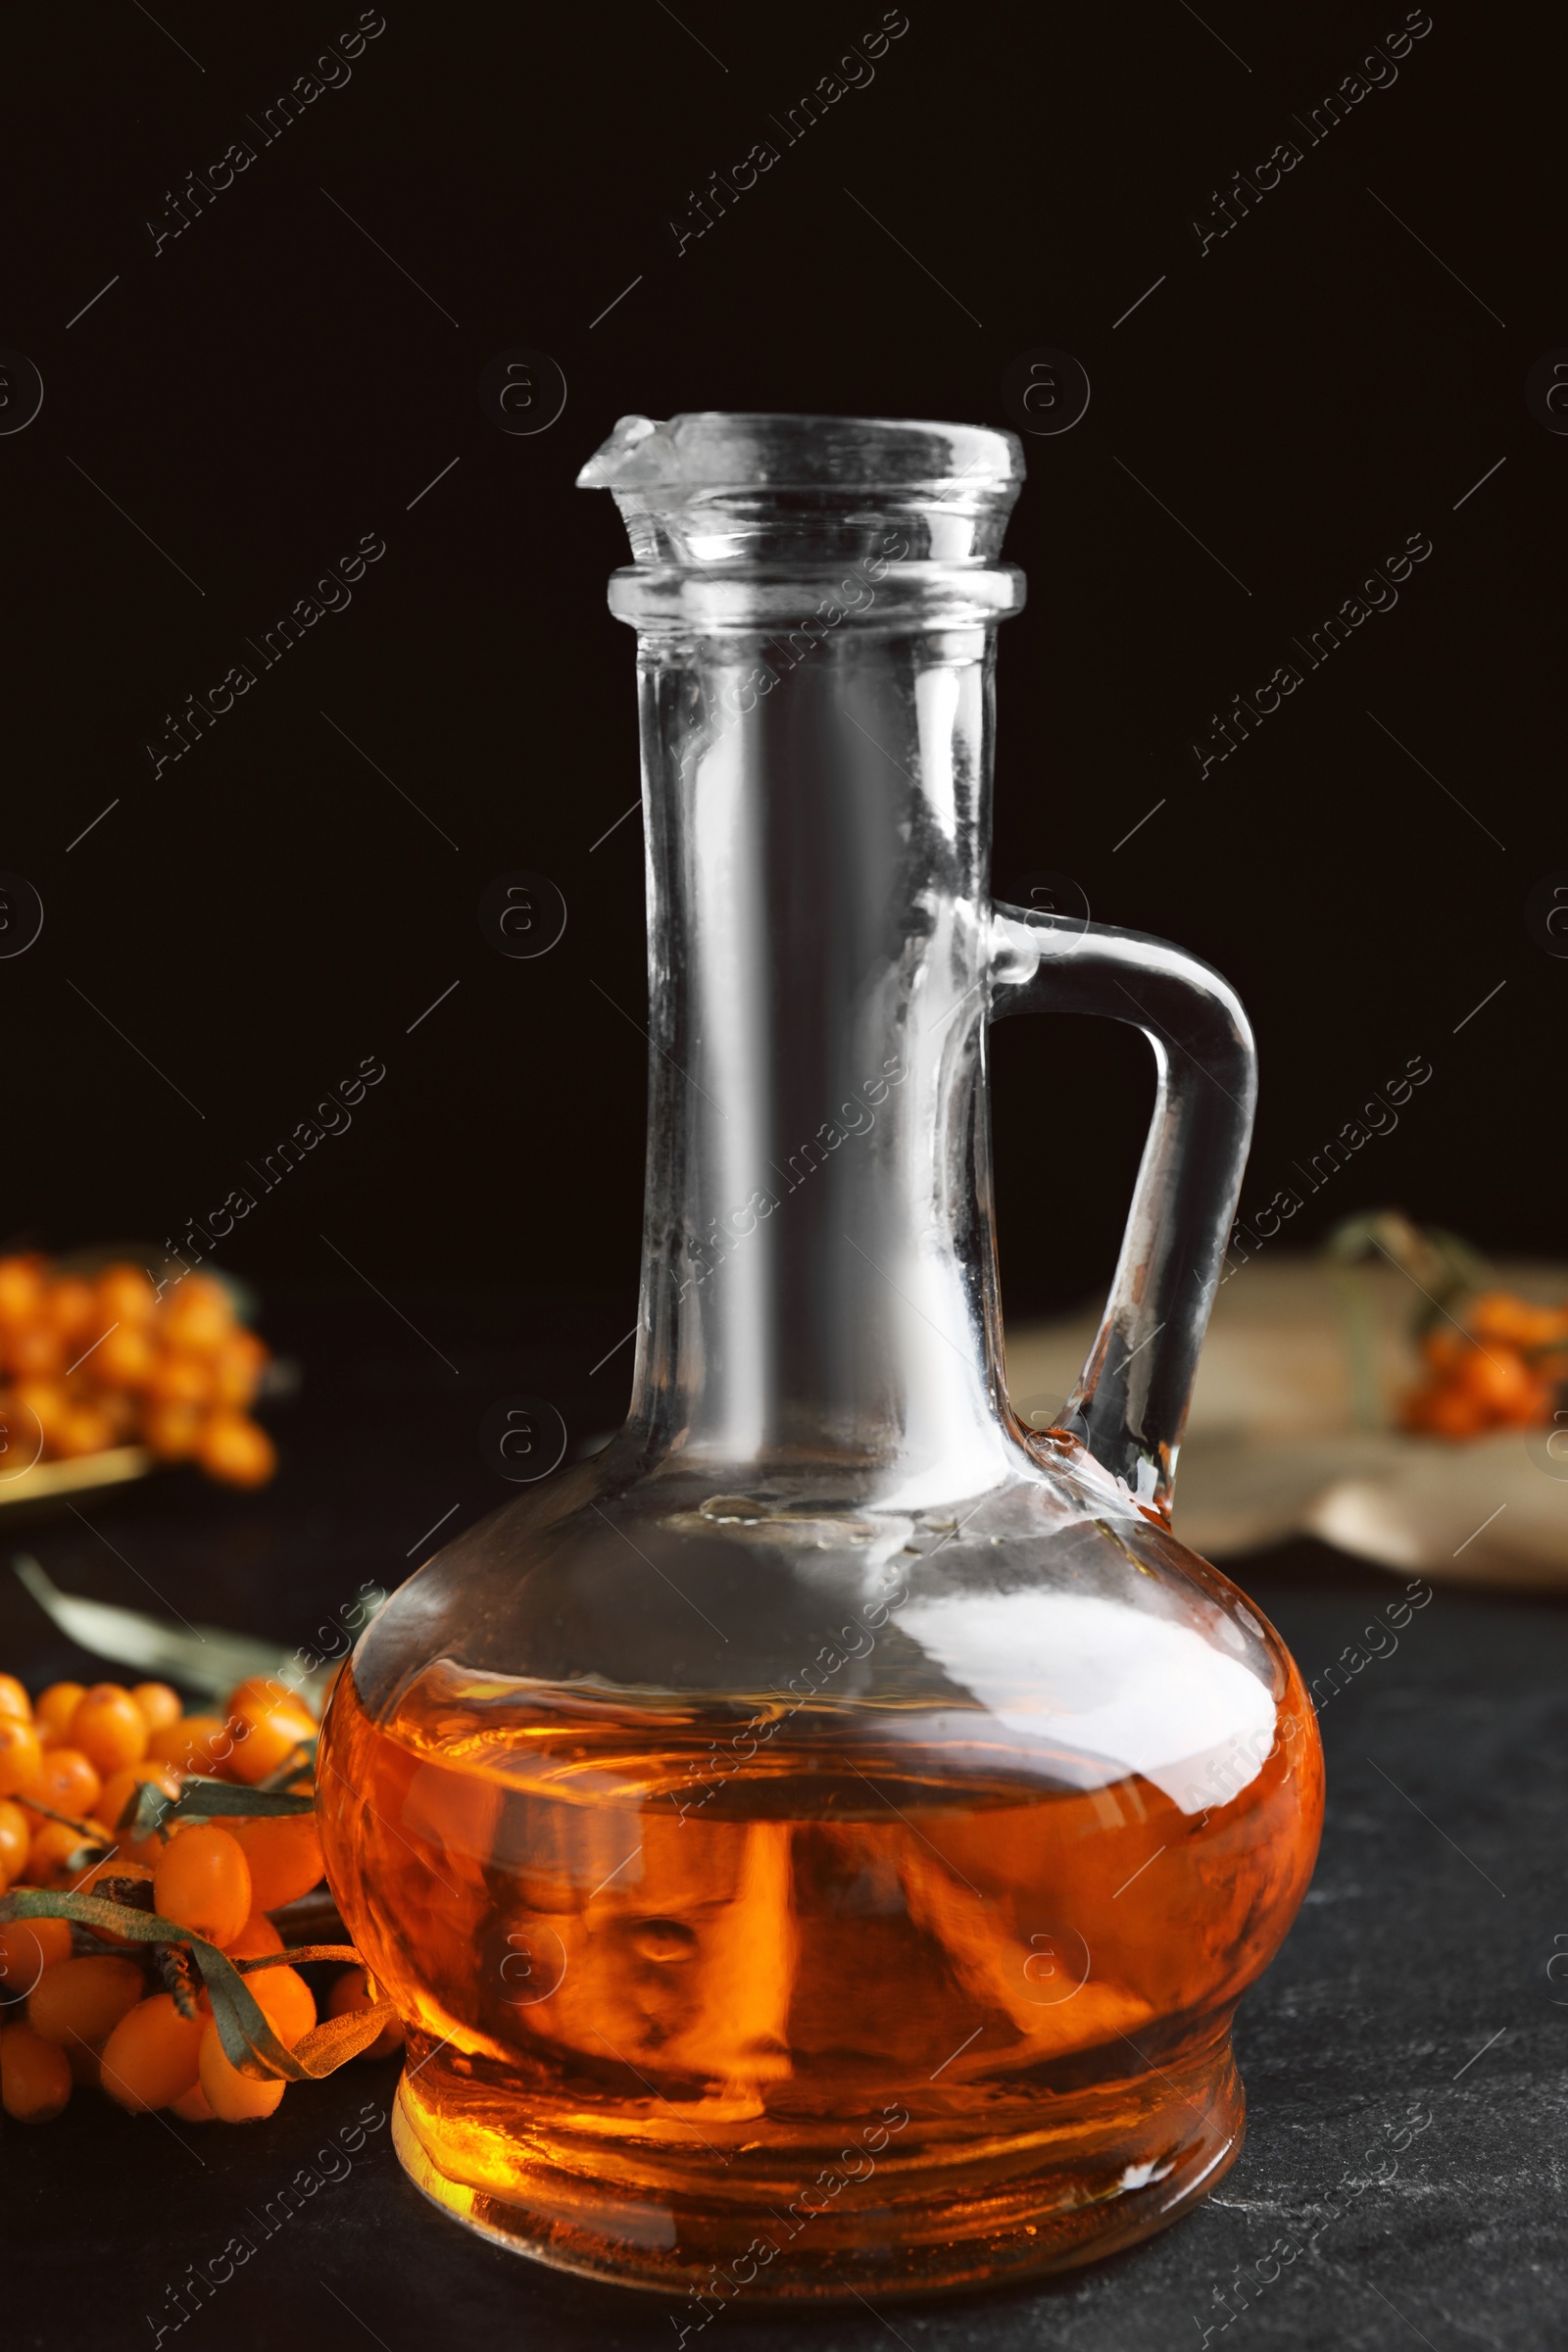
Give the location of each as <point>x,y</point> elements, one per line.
<point>1130,1404</point>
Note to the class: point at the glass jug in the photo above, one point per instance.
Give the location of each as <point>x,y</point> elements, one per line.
<point>819,1844</point>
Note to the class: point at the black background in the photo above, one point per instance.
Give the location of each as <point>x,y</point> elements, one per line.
<point>269,386</point>
<point>262,915</point>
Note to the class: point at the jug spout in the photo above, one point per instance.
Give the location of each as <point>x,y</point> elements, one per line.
<point>714,489</point>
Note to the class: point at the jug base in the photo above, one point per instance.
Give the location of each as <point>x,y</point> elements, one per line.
<point>945,2218</point>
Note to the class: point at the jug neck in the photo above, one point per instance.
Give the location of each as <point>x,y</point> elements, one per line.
<point>815,601</point>
<point>819,1280</point>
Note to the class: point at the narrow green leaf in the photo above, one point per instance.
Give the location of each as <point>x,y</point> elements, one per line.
<point>249,2041</point>
<point>326,2046</point>
<point>146,1811</point>
<point>200,1799</point>
<point>247,2038</point>
<point>91,1911</point>
<point>301,1951</point>
<point>203,1657</point>
<point>66,1821</point>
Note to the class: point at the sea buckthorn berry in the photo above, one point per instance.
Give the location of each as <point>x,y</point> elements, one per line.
<point>198,1314</point>
<point>153,2056</point>
<point>178,1379</point>
<point>148,1850</point>
<point>51,1857</point>
<point>32,1411</point>
<point>122,1787</point>
<point>1443,1347</point>
<point>27,1946</point>
<point>55,1708</point>
<point>123,1413</point>
<point>351,1992</point>
<point>284,1854</point>
<point>35,1351</point>
<point>22,1287</point>
<point>287,2002</point>
<point>67,1782</point>
<point>71,1307</point>
<point>237,1369</point>
<point>236,1449</point>
<point>108,1727</point>
<point>85,2000</point>
<point>34,2076</point>
<point>160,1705</point>
<point>14,1700</point>
<point>196,1743</point>
<point>204,1882</point>
<point>16,1835</point>
<point>1445,1411</point>
<point>193,2106</point>
<point>263,1694</point>
<point>232,2096</point>
<point>85,1429</point>
<point>126,1360</point>
<point>21,1758</point>
<point>126,1297</point>
<point>268,1722</point>
<point>1498,1377</point>
<point>1501,1315</point>
<point>256,1936</point>
<point>172,1431</point>
<point>114,1865</point>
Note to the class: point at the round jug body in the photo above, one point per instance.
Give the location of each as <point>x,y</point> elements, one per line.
<point>790,1893</point>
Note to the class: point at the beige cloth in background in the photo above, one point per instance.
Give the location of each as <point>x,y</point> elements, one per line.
<point>1287,1437</point>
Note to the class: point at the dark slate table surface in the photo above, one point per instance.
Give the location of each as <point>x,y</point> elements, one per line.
<point>1403,2181</point>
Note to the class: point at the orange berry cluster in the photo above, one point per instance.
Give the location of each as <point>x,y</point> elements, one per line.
<point>106,1361</point>
<point>1499,1368</point>
<point>92,2017</point>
